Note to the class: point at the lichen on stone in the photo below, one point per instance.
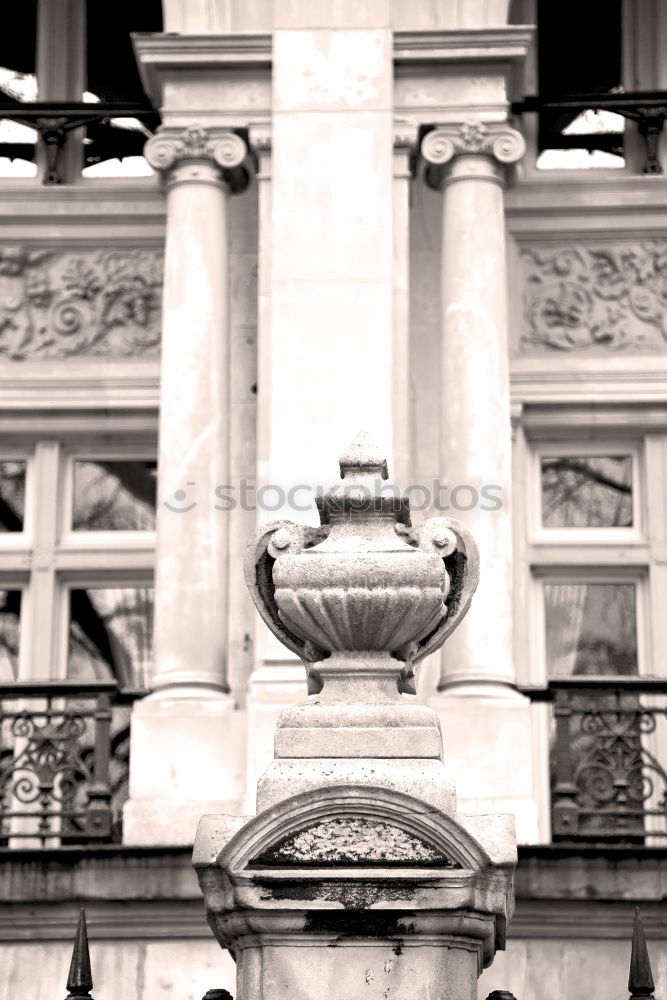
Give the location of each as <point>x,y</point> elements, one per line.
<point>354,840</point>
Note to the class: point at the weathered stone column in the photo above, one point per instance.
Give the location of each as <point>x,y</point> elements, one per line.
<point>357,876</point>
<point>185,724</point>
<point>467,163</point>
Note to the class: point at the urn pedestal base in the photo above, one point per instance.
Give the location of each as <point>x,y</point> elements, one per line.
<point>352,891</point>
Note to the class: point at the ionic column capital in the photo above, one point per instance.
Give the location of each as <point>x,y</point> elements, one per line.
<point>497,142</point>
<point>195,154</point>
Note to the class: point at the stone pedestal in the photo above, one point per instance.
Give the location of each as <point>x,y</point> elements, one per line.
<point>350,891</point>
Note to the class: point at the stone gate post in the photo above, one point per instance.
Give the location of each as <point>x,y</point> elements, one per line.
<point>357,877</point>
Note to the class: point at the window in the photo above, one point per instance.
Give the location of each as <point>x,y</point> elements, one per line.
<point>579,61</point>
<point>590,628</point>
<point>586,491</point>
<point>76,547</point>
<point>74,51</point>
<point>591,526</point>
<point>594,97</point>
<point>587,543</point>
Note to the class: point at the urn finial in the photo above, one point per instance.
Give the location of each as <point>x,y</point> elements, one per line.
<point>362,594</point>
<point>363,455</point>
<point>363,469</point>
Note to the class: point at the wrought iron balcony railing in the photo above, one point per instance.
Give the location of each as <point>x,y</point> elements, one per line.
<point>53,121</point>
<point>64,760</point>
<point>608,756</point>
<point>647,108</point>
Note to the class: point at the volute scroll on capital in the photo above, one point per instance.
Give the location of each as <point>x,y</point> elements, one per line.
<point>364,590</point>
<point>472,137</point>
<point>226,150</point>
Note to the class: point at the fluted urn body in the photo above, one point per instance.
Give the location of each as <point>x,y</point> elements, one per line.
<point>366,586</point>
<point>364,581</point>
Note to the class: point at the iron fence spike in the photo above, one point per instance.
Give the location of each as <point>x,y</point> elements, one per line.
<point>80,979</point>
<point>640,979</point>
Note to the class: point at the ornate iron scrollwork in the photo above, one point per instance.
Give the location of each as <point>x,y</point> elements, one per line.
<point>59,783</point>
<point>607,783</point>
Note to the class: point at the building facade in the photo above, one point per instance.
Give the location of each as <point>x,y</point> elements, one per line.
<point>233,235</point>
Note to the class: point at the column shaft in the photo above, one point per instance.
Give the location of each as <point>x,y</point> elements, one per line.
<point>191,557</point>
<point>475,410</point>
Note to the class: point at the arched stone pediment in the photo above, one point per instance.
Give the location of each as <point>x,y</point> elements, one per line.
<point>352,827</point>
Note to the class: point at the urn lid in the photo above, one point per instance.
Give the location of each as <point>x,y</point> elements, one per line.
<point>363,469</point>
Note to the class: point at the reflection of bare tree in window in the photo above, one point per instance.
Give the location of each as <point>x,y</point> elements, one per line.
<point>114,496</point>
<point>12,496</point>
<point>10,615</point>
<point>126,618</point>
<point>585,491</point>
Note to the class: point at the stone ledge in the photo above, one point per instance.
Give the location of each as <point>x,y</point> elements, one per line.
<point>106,921</point>
<point>583,919</point>
<point>613,875</point>
<point>631,874</point>
<point>110,872</point>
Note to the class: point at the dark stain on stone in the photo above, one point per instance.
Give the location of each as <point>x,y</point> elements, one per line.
<point>348,925</point>
<point>351,895</point>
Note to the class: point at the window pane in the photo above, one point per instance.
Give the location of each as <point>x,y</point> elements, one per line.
<point>591,629</point>
<point>579,491</point>
<point>111,634</point>
<point>114,496</point>
<point>12,495</point>
<point>10,616</point>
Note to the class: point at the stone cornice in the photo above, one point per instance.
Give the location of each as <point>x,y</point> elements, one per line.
<point>78,386</point>
<point>511,42</point>
<point>170,149</point>
<point>159,53</point>
<point>471,137</point>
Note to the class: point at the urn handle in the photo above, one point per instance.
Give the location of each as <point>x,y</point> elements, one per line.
<point>455,544</point>
<point>268,543</point>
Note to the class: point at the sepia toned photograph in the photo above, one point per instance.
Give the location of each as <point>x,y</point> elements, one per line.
<point>333,500</point>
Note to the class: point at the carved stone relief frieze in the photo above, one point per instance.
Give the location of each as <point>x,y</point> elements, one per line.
<point>56,304</point>
<point>595,297</point>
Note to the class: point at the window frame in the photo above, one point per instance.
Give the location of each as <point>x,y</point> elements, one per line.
<point>539,533</point>
<point>45,561</point>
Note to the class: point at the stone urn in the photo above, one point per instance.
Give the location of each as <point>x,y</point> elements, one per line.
<point>364,593</point>
<point>358,877</point>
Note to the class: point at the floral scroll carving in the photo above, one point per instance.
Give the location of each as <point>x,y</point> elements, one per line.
<point>55,304</point>
<point>610,297</point>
